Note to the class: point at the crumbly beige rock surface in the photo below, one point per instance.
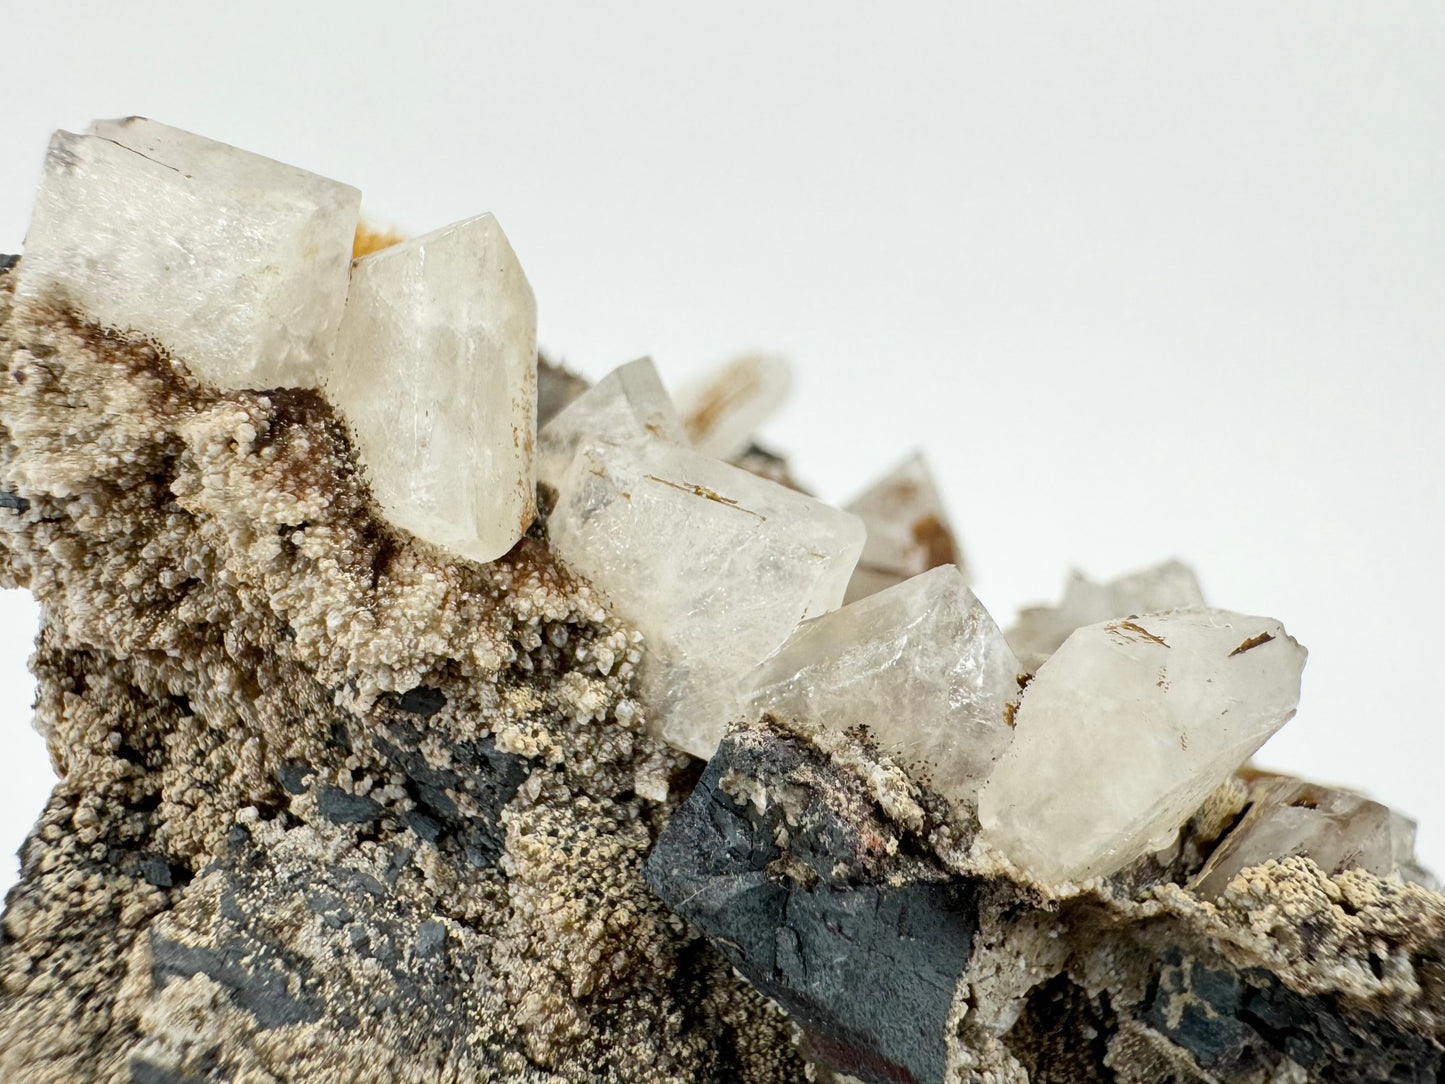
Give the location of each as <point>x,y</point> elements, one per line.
<point>333,806</point>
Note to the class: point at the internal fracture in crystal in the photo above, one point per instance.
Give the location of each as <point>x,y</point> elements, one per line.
<point>436,372</point>
<point>235,264</point>
<point>1126,729</point>
<point>628,404</point>
<point>921,665</point>
<point>908,529</point>
<point>722,411</point>
<point>1040,630</point>
<point>713,565</point>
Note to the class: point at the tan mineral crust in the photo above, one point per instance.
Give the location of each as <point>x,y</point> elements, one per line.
<point>338,805</point>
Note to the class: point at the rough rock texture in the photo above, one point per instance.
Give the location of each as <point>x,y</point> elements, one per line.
<point>333,806</point>
<point>845,892</point>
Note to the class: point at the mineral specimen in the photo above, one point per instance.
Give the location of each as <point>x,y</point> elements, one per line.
<point>723,410</point>
<point>1041,629</point>
<point>628,404</point>
<point>342,802</point>
<point>714,567</point>
<point>908,531</point>
<point>1126,730</point>
<point>436,371</point>
<point>920,665</point>
<point>235,263</point>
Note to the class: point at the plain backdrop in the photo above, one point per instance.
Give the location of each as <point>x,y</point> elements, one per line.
<point>1143,280</point>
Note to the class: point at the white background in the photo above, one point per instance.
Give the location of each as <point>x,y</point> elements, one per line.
<point>1144,280</point>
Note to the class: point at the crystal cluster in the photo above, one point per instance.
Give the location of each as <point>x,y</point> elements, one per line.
<point>1081,740</point>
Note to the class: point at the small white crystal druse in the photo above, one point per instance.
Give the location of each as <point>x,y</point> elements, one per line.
<point>1075,744</point>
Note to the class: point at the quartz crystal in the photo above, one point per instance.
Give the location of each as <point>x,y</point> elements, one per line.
<point>1041,629</point>
<point>713,565</point>
<point>235,264</point>
<point>1337,829</point>
<point>908,531</point>
<point>627,404</point>
<point>436,370</point>
<point>921,665</point>
<point>1126,729</point>
<point>722,411</point>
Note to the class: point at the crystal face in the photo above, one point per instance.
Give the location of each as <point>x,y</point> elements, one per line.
<point>627,404</point>
<point>721,412</point>
<point>921,665</point>
<point>1041,629</point>
<point>713,565</point>
<point>234,263</point>
<point>908,530</point>
<point>1336,829</point>
<point>436,371</point>
<point>1126,729</point>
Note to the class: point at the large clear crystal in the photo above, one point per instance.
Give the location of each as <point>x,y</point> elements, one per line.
<point>1040,630</point>
<point>627,404</point>
<point>722,411</point>
<point>235,264</point>
<point>1337,829</point>
<point>908,530</point>
<point>921,665</point>
<point>436,370</point>
<point>1126,729</point>
<point>713,565</point>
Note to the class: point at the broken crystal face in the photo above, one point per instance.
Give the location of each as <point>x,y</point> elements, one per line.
<point>1126,729</point>
<point>1337,829</point>
<point>436,371</point>
<point>723,410</point>
<point>1040,630</point>
<point>908,530</point>
<point>921,665</point>
<point>235,264</point>
<point>627,404</point>
<point>713,565</point>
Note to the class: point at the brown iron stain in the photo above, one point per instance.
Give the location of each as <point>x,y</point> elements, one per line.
<point>936,540</point>
<point>368,240</point>
<point>703,491</point>
<point>1009,713</point>
<point>1125,628</point>
<point>720,398</point>
<point>1252,643</point>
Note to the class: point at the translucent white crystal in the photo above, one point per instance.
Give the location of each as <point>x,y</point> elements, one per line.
<point>908,530</point>
<point>627,404</point>
<point>234,263</point>
<point>713,565</point>
<point>436,371</point>
<point>1040,630</point>
<point>921,664</point>
<point>723,410</point>
<point>1126,729</point>
<point>1338,829</point>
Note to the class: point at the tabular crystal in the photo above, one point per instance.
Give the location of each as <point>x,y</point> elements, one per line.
<point>908,530</point>
<point>1126,729</point>
<point>1040,630</point>
<point>721,412</point>
<point>436,370</point>
<point>1337,829</point>
<point>234,263</point>
<point>921,664</point>
<point>713,565</point>
<point>627,404</point>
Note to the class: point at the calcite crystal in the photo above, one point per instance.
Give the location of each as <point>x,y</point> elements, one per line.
<point>908,531</point>
<point>714,566</point>
<point>1041,629</point>
<point>235,263</point>
<point>920,665</point>
<point>365,775</point>
<point>722,411</point>
<point>1127,728</point>
<point>436,371</point>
